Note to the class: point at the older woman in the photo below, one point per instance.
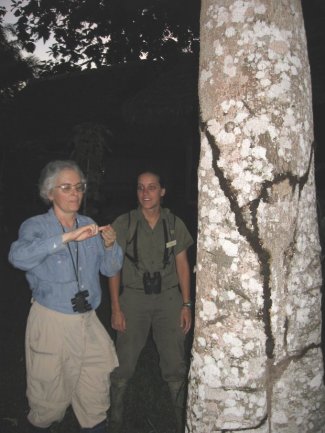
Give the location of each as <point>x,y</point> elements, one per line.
<point>69,355</point>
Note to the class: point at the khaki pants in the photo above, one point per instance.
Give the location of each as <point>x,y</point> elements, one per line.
<point>162,313</point>
<point>69,359</point>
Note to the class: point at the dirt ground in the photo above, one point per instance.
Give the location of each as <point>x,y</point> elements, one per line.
<point>148,406</point>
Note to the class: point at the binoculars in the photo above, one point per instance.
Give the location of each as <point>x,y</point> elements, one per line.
<point>80,303</point>
<point>152,284</point>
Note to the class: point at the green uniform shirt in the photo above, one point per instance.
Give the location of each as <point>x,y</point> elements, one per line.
<point>151,247</point>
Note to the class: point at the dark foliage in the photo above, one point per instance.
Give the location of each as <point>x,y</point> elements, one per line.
<point>95,33</point>
<point>15,70</point>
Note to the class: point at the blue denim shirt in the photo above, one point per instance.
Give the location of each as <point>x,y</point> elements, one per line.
<point>47,261</point>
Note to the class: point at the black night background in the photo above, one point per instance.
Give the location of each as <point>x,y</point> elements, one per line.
<point>145,111</point>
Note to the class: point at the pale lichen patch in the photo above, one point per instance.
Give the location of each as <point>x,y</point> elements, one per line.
<point>229,66</point>
<point>209,310</point>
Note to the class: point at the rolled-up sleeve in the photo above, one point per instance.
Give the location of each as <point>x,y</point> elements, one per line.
<point>113,260</point>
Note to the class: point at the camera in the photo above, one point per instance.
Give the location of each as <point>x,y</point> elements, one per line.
<point>152,284</point>
<point>80,303</point>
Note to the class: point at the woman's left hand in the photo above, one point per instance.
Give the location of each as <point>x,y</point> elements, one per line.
<point>186,319</point>
<point>108,235</point>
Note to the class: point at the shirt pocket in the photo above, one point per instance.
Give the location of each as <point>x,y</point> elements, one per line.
<point>90,251</point>
<point>61,267</point>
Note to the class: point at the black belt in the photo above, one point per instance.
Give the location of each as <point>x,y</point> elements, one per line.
<point>141,289</point>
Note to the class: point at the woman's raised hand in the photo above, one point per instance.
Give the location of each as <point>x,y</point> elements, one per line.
<point>81,233</point>
<point>108,234</point>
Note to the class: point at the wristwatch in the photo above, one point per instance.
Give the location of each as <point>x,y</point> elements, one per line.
<point>187,304</point>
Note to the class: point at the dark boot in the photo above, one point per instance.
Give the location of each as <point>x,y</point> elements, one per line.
<point>177,393</point>
<point>99,428</point>
<point>117,406</point>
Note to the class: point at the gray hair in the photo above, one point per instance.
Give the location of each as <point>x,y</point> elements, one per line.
<point>49,174</point>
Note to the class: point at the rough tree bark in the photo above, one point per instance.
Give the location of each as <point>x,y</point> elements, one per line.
<point>257,362</point>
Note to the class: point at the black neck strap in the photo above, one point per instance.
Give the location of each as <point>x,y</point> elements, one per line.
<point>75,263</point>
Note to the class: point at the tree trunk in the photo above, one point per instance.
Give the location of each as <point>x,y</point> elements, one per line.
<point>257,361</point>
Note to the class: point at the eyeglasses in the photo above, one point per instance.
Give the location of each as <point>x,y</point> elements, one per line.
<point>66,188</point>
<point>151,188</point>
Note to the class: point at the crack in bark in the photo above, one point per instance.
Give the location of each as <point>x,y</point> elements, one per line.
<point>281,367</point>
<point>241,294</point>
<point>252,235</point>
<point>245,389</point>
<point>260,424</point>
<point>285,334</point>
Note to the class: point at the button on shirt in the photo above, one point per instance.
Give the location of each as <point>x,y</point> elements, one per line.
<point>47,261</point>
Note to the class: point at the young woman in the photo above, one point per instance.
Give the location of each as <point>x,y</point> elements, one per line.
<point>156,293</point>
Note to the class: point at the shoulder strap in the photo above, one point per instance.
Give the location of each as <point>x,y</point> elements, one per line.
<point>133,237</point>
<point>171,223</point>
<point>171,219</point>
<point>132,226</point>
